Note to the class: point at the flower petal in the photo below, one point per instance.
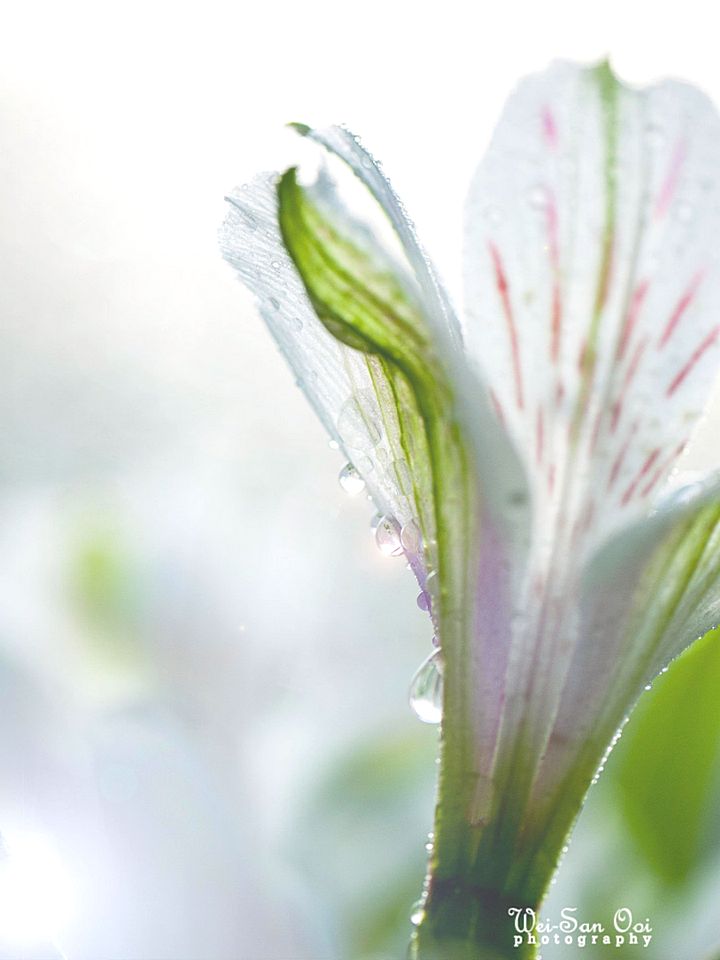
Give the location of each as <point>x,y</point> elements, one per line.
<point>345,145</point>
<point>592,285</point>
<point>348,390</point>
<point>650,591</point>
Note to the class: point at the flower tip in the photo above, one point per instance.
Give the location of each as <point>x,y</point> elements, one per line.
<point>302,128</point>
<point>605,73</point>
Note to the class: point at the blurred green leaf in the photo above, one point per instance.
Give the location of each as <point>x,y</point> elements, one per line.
<point>668,760</point>
<point>365,830</point>
<point>104,589</point>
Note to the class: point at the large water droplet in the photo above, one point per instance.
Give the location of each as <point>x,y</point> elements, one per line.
<point>411,538</point>
<point>350,480</point>
<point>426,689</point>
<point>387,537</point>
<point>423,601</point>
<point>359,423</point>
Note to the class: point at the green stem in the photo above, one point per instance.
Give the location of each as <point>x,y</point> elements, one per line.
<point>463,922</point>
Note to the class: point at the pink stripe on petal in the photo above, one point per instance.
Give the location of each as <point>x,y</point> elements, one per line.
<point>663,469</point>
<point>497,406</point>
<point>669,185</point>
<point>644,470</point>
<point>539,435</point>
<point>554,253</point>
<point>549,127</point>
<point>636,302</point>
<point>703,347</point>
<point>680,308</point>
<point>631,371</point>
<point>503,289</point>
<point>617,464</point>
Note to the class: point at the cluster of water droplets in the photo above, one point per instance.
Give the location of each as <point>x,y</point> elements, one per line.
<point>359,427</point>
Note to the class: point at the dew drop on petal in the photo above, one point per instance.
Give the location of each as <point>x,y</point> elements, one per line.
<point>411,538</point>
<point>432,586</point>
<point>426,689</point>
<point>423,601</point>
<point>296,324</point>
<point>417,914</point>
<point>387,537</point>
<point>350,480</point>
<point>358,423</point>
<point>403,476</point>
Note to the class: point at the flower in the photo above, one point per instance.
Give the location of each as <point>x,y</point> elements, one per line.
<point>524,457</point>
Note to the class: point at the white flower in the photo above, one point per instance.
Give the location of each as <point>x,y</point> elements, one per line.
<point>531,445</point>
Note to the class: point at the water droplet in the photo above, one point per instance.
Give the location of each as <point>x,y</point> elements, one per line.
<point>387,537</point>
<point>275,264</point>
<point>426,689</point>
<point>648,686</point>
<point>359,422</point>
<point>411,538</point>
<point>350,480</point>
<point>417,914</point>
<point>423,601</point>
<point>296,323</point>
<point>333,444</point>
<point>363,464</point>
<point>404,478</point>
<point>274,303</point>
<point>432,586</point>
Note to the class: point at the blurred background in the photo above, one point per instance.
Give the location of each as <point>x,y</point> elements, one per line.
<point>205,746</point>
